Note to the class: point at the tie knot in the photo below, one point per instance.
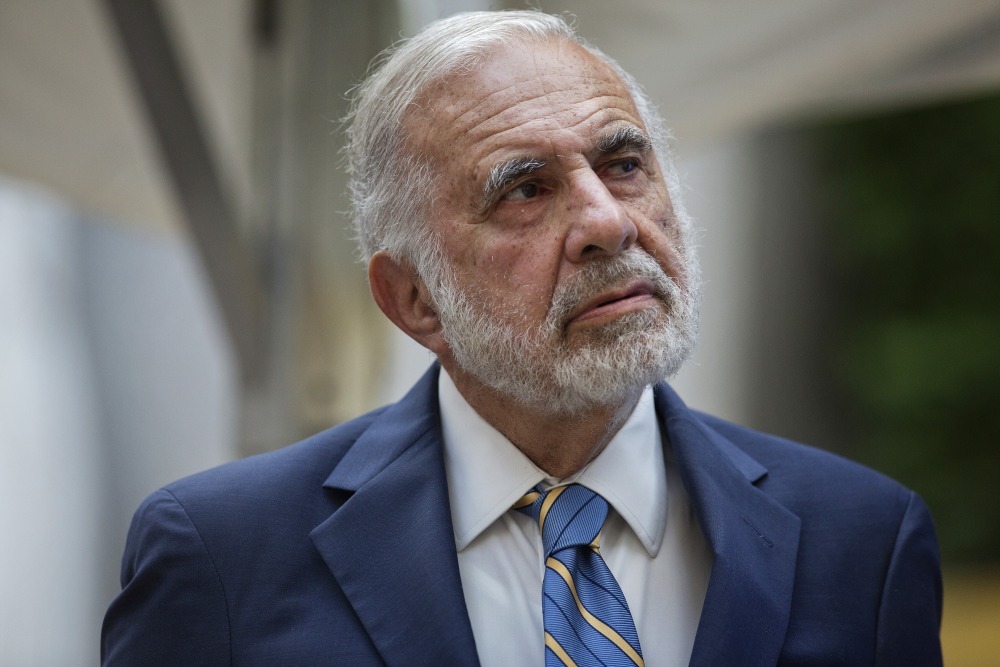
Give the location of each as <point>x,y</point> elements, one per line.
<point>567,516</point>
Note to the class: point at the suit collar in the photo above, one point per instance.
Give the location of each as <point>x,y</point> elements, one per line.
<point>754,539</point>
<point>399,568</point>
<point>388,436</point>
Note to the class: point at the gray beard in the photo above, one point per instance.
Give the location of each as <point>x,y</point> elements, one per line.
<point>536,367</point>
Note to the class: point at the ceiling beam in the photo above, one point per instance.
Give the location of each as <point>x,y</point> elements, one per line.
<point>187,156</point>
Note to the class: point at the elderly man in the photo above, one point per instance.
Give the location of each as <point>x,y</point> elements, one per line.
<point>539,496</point>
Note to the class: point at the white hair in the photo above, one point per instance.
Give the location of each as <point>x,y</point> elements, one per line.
<point>390,185</point>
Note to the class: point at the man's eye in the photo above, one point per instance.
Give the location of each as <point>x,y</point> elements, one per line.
<point>625,166</point>
<point>523,192</point>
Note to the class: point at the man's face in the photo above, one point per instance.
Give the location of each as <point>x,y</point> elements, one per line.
<point>564,264</point>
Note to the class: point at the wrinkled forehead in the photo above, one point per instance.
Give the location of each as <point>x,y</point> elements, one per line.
<point>543,81</point>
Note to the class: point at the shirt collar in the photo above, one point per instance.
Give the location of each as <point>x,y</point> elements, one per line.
<point>487,474</point>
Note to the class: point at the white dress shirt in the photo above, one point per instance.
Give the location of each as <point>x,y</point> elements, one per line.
<point>651,541</point>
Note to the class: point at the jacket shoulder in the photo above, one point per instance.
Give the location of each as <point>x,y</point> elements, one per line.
<point>304,464</point>
<point>801,471</point>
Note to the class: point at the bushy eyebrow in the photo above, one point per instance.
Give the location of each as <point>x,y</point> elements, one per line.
<point>624,139</point>
<point>505,173</point>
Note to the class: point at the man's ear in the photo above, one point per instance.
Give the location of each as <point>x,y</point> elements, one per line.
<point>403,297</point>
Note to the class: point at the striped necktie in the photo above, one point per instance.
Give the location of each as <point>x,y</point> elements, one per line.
<point>586,618</point>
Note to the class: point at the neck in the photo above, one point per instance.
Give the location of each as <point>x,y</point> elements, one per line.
<point>558,443</point>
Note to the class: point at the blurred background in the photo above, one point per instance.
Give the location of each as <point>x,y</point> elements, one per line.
<point>178,287</point>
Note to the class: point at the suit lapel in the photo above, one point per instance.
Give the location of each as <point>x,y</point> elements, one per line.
<point>755,541</point>
<point>399,568</point>
<point>391,545</point>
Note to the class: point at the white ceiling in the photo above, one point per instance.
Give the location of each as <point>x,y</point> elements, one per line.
<point>69,118</point>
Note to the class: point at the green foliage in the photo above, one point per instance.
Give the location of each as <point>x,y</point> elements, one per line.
<point>914,203</point>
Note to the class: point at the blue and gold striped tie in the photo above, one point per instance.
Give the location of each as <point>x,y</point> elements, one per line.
<point>587,621</point>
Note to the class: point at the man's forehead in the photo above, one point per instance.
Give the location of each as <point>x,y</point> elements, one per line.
<point>554,57</point>
<point>517,93</point>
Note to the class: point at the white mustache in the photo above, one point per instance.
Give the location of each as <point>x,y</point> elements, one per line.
<point>599,277</point>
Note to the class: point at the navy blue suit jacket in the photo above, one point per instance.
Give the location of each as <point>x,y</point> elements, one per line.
<point>339,550</point>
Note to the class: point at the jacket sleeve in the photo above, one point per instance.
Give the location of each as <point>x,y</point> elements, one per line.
<point>172,608</point>
<point>909,620</point>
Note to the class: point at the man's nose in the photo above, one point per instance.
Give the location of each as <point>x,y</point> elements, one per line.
<point>599,224</point>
